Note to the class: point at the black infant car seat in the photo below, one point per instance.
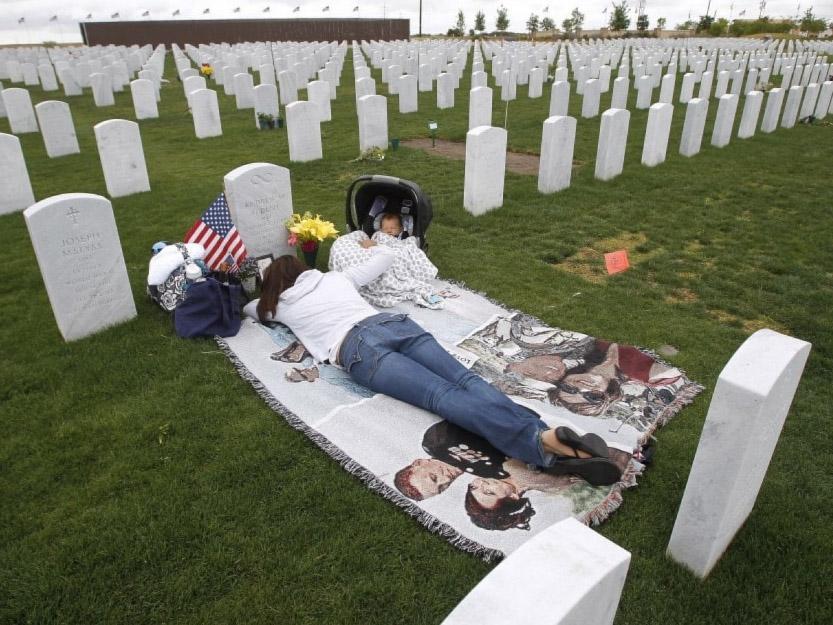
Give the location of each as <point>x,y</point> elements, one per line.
<point>370,196</point>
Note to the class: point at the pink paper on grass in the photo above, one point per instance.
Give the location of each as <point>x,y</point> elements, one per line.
<point>617,261</point>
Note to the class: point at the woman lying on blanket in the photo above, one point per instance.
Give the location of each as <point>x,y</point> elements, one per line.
<point>390,354</point>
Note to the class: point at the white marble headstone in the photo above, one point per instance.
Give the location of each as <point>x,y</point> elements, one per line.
<point>747,412</point>
<point>555,167</point>
<point>407,90</point>
<point>613,137</point>
<point>590,99</point>
<point>695,123</point>
<point>15,186</point>
<point>373,122</point>
<point>243,91</point>
<point>259,196</point>
<point>19,110</point>
<point>143,93</point>
<point>303,130</point>
<point>751,111</point>
<point>567,574</point>
<point>725,119</point>
<point>656,134</point>
<point>79,254</point>
<point>57,128</point>
<point>559,98</point>
<point>485,169</point>
<point>480,107</point>
<point>205,112</point>
<point>445,91</point>
<point>102,89</point>
<point>621,86</point>
<point>122,157</point>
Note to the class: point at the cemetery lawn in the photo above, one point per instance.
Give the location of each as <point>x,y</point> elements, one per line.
<point>142,481</point>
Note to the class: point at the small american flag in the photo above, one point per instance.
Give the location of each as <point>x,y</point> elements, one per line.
<point>218,235</point>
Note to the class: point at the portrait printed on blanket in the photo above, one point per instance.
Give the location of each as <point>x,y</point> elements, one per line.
<point>587,376</point>
<point>498,496</point>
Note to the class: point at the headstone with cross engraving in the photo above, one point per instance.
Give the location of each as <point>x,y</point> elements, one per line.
<point>79,254</point>
<point>259,197</point>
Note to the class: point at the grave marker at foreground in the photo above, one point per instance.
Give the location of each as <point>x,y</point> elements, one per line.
<point>747,412</point>
<point>15,187</point>
<point>565,575</point>
<point>80,257</point>
<point>485,169</point>
<point>259,197</point>
<point>122,157</point>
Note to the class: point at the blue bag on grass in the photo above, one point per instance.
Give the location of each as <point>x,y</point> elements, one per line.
<point>210,308</point>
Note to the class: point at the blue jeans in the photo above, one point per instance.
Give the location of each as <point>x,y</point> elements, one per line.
<point>390,354</point>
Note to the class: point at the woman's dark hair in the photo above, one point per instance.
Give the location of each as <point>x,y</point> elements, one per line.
<point>279,276</point>
<point>508,514</point>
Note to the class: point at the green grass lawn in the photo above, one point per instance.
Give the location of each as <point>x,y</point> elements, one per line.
<point>142,481</point>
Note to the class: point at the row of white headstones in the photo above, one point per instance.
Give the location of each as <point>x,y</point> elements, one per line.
<point>484,189</point>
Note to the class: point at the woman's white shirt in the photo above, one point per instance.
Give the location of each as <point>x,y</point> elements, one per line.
<point>321,308</point>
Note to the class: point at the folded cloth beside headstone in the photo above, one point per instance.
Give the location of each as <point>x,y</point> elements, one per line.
<point>169,259</point>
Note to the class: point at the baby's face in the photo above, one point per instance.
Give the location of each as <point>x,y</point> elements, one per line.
<point>390,225</point>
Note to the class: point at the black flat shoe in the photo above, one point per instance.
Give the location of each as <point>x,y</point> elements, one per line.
<point>597,471</point>
<point>592,444</point>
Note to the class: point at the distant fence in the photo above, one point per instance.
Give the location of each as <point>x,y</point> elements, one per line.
<point>196,32</point>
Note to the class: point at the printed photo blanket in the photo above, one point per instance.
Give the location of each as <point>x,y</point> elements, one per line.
<point>451,481</point>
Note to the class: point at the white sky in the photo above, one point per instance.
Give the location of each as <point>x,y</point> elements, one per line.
<point>438,15</point>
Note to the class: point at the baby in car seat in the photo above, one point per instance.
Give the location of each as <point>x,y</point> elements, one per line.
<point>391,224</point>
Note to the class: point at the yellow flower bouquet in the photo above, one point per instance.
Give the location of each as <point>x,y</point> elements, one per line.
<point>309,230</point>
<point>206,70</point>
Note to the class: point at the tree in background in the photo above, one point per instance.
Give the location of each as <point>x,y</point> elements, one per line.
<point>502,21</point>
<point>719,27</point>
<point>687,25</point>
<point>479,21</point>
<point>810,23</point>
<point>642,22</point>
<point>577,18</point>
<point>619,19</point>
<point>547,24</point>
<point>567,26</point>
<point>461,22</point>
<point>532,25</point>
<point>705,23</point>
<point>661,23</point>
